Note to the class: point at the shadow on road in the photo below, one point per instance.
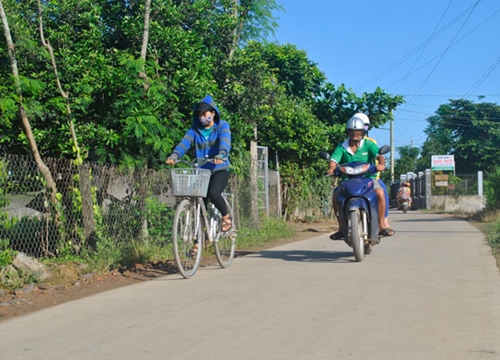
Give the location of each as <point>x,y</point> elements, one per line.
<point>437,232</point>
<point>431,220</point>
<point>305,255</point>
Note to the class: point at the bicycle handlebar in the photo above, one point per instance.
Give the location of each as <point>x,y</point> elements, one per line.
<point>197,162</point>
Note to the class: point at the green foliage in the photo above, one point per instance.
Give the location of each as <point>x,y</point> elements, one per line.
<point>492,187</point>
<point>306,189</point>
<point>466,130</point>
<point>406,161</point>
<point>281,99</point>
<point>5,184</point>
<point>6,254</point>
<point>270,230</point>
<point>457,185</point>
<point>160,220</point>
<point>12,278</point>
<point>132,112</point>
<point>105,256</point>
<point>492,230</point>
<point>257,19</point>
<point>121,242</point>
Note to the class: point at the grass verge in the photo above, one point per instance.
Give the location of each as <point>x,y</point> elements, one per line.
<point>270,230</point>
<point>488,221</point>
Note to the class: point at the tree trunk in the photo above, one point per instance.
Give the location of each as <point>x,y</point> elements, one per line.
<point>87,205</point>
<point>84,175</point>
<point>144,47</point>
<point>22,112</point>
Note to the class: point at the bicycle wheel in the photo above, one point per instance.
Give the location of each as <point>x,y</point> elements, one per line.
<point>187,238</point>
<point>225,243</point>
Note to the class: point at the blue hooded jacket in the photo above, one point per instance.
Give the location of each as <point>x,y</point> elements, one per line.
<point>218,142</point>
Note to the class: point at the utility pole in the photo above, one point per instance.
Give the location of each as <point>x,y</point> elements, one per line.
<point>392,146</point>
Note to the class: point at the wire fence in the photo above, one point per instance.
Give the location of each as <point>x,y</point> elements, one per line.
<point>97,205</point>
<point>455,185</point>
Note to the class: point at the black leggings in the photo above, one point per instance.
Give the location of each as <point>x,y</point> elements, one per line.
<point>218,182</point>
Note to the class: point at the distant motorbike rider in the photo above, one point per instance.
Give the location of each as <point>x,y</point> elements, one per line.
<point>404,193</point>
<point>357,148</point>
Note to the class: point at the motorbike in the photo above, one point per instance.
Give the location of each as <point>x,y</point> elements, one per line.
<point>403,202</point>
<point>357,204</point>
<point>404,206</point>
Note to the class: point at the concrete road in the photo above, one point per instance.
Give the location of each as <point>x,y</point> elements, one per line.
<point>432,291</point>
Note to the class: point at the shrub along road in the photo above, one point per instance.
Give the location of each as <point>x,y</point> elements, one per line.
<point>429,292</point>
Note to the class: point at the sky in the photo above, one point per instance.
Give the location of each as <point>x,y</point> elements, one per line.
<point>429,51</point>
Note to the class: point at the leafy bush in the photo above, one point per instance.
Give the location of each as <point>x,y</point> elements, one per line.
<point>270,230</point>
<point>6,254</point>
<point>493,235</point>
<point>492,188</point>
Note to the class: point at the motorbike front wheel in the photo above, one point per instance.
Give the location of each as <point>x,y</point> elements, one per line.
<point>356,235</point>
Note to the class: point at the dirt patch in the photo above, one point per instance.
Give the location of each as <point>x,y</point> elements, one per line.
<point>70,285</point>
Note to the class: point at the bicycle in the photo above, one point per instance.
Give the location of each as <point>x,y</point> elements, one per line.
<point>196,227</point>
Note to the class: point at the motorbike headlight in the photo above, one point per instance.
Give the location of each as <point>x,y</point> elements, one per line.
<point>355,170</point>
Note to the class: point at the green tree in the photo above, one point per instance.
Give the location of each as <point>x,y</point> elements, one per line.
<point>406,162</point>
<point>284,95</point>
<point>100,49</point>
<point>467,130</point>
<point>268,107</point>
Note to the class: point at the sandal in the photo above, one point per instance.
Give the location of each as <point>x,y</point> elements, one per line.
<point>337,236</point>
<point>193,251</point>
<point>226,225</point>
<point>386,232</point>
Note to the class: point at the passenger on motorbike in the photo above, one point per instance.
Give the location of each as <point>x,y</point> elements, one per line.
<point>404,193</point>
<point>356,148</point>
<point>366,121</point>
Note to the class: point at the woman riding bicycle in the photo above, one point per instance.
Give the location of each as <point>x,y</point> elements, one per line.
<point>211,137</point>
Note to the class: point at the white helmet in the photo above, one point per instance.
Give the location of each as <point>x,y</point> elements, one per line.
<point>362,117</point>
<point>355,123</point>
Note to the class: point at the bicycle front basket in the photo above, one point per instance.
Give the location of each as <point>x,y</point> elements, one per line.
<point>190,182</point>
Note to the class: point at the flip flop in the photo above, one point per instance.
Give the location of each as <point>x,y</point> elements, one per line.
<point>193,251</point>
<point>386,232</point>
<point>226,225</point>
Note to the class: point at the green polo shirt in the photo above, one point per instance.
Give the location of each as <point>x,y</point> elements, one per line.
<point>367,152</point>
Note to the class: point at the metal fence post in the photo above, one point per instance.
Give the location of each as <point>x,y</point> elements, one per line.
<point>428,187</point>
<point>480,183</point>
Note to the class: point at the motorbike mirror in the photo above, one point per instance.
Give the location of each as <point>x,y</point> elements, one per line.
<point>384,149</point>
<point>324,155</point>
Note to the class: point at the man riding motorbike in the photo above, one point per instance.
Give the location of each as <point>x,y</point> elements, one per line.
<point>357,148</point>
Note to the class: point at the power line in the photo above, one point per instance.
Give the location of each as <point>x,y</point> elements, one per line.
<point>448,47</point>
<point>432,35</point>
<point>419,55</point>
<point>449,95</point>
<point>483,77</point>
<point>440,54</point>
<point>416,49</point>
